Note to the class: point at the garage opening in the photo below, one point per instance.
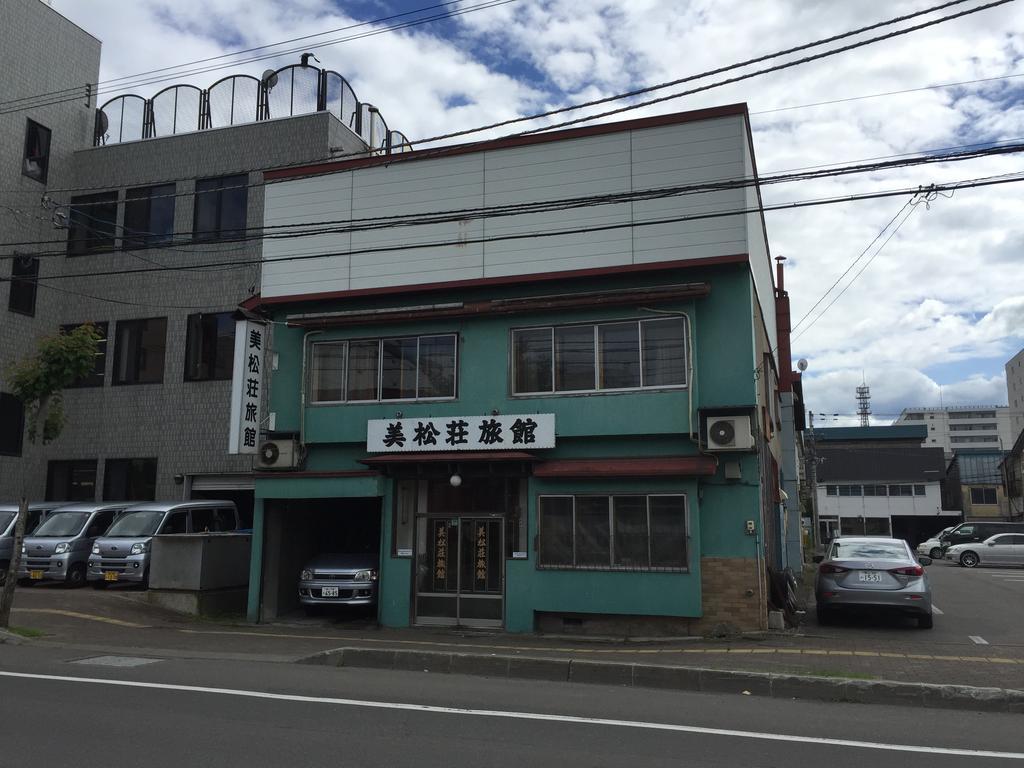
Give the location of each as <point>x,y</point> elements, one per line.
<point>297,530</point>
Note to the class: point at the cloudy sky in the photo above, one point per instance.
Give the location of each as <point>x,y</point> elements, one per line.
<point>937,310</point>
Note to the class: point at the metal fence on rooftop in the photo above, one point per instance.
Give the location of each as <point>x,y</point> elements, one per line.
<point>297,89</point>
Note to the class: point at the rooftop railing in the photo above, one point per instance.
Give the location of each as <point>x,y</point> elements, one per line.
<point>297,89</point>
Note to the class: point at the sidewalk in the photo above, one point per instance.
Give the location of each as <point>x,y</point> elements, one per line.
<point>791,664</point>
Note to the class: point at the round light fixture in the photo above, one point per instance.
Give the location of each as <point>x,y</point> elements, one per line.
<point>455,480</point>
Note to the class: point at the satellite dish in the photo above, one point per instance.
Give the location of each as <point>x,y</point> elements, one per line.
<point>802,364</point>
<point>102,122</point>
<point>269,79</point>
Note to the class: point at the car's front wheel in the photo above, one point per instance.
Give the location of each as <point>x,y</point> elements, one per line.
<point>969,559</point>
<point>935,554</point>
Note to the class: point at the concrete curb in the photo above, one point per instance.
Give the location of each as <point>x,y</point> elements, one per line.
<point>10,638</point>
<point>695,679</point>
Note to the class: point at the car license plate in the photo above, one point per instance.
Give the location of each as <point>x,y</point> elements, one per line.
<point>329,592</point>
<point>110,575</point>
<point>869,576</point>
<point>35,574</point>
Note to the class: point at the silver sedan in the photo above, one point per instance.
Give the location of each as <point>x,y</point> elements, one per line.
<point>1002,549</point>
<point>873,572</point>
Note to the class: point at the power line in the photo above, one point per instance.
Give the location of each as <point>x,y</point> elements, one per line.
<point>343,226</point>
<point>965,184</point>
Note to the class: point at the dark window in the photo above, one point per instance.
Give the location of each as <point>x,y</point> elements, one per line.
<point>919,490</point>
<point>176,523</point>
<point>213,520</point>
<point>148,216</point>
<point>220,209</point>
<point>12,424</point>
<point>71,480</point>
<point>98,375</point>
<point>92,223</point>
<point>24,271</point>
<point>209,347</point>
<point>983,495</point>
<point>585,358</point>
<point>831,490</point>
<point>612,532</point>
<point>100,522</point>
<point>139,351</point>
<point>410,368</point>
<point>36,163</point>
<point>129,480</point>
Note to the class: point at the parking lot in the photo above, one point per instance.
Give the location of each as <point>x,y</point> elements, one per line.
<point>977,608</point>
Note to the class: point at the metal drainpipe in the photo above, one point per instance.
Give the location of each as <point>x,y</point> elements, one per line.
<point>302,391</point>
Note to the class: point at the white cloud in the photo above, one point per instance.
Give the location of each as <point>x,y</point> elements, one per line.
<point>946,289</point>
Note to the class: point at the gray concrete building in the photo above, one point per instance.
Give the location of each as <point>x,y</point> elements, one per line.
<point>158,201</point>
<point>1015,393</point>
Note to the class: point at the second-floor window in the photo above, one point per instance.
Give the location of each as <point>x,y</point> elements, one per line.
<point>36,163</point>
<point>633,354</point>
<point>24,274</point>
<point>209,347</point>
<point>406,368</point>
<point>98,374</point>
<point>139,351</point>
<point>148,216</point>
<point>92,223</point>
<point>221,207</point>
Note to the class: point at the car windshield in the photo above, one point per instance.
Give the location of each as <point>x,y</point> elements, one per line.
<point>62,524</point>
<point>868,550</point>
<point>6,518</point>
<point>136,524</point>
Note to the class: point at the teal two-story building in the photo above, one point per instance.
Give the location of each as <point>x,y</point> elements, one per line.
<point>534,379</point>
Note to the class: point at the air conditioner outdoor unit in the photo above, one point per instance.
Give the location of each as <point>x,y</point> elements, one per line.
<point>278,454</point>
<point>729,433</point>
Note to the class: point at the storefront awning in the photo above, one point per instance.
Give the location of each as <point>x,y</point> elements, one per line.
<point>659,466</point>
<point>453,457</point>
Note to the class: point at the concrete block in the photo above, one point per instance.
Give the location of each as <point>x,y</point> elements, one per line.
<point>672,678</point>
<point>479,664</point>
<point>527,668</point>
<point>724,681</point>
<point>964,697</point>
<point>423,661</point>
<point>373,658</point>
<point>808,687</point>
<point>884,692</point>
<point>601,672</point>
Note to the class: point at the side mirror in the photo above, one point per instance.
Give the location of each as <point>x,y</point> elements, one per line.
<point>990,543</point>
<point>924,560</point>
<point>817,558</point>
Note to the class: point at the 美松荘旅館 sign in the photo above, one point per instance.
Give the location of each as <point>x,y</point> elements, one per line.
<point>461,433</point>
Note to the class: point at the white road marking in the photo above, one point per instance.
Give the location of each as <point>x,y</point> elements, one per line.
<point>978,640</point>
<point>935,609</point>
<point>511,715</point>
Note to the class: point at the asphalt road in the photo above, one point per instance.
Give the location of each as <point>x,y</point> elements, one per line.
<point>59,708</point>
<point>983,602</point>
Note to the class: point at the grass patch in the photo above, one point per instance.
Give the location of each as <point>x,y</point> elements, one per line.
<point>27,632</point>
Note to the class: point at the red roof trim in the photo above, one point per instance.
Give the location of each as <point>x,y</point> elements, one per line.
<point>676,118</point>
<point>449,456</point>
<point>253,302</point>
<point>648,467</point>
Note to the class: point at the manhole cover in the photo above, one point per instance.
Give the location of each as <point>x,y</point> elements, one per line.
<point>116,661</point>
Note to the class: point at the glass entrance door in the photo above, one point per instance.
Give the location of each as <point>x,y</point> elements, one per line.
<point>460,571</point>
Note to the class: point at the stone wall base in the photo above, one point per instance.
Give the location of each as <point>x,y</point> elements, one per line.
<point>734,595</point>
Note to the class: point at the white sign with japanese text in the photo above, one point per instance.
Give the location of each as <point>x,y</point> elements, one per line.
<point>461,433</point>
<point>247,387</point>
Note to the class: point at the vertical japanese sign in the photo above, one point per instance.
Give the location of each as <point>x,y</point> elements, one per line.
<point>441,556</point>
<point>481,557</point>
<point>247,387</point>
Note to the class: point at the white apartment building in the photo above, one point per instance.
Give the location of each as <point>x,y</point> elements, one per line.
<point>963,428</point>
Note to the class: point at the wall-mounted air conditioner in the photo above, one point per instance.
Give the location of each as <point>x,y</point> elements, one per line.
<point>729,433</point>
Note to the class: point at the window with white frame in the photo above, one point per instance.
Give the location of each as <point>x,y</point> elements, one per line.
<point>622,532</point>
<point>368,370</point>
<point>622,355</point>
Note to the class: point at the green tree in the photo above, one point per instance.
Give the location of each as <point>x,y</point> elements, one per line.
<point>38,382</point>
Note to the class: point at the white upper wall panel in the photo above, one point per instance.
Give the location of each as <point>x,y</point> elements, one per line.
<point>593,166</point>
